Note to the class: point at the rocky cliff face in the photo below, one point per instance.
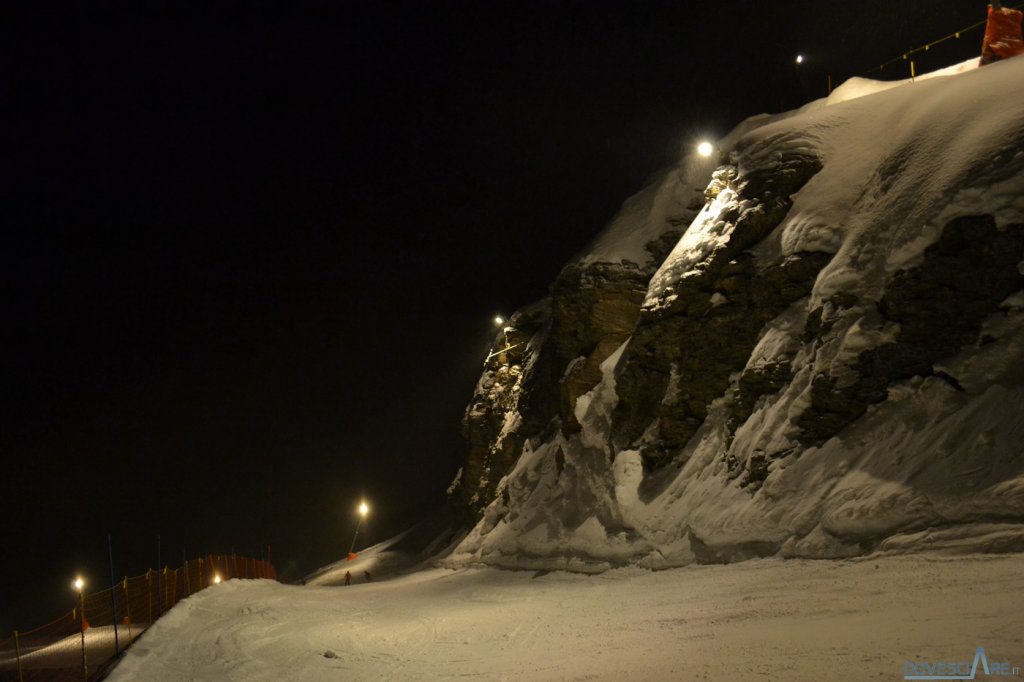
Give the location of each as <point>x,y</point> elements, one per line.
<point>812,347</point>
<point>555,347</point>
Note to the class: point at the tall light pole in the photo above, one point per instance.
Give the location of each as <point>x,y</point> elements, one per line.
<point>363,511</point>
<point>801,84</point>
<point>79,585</point>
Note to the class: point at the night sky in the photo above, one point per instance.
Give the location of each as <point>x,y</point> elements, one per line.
<point>251,252</point>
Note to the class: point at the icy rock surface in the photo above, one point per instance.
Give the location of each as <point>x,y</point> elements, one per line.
<point>812,348</point>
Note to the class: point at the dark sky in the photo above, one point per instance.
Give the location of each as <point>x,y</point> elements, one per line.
<point>251,251</point>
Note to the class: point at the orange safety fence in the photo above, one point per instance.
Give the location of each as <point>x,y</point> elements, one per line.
<point>81,644</point>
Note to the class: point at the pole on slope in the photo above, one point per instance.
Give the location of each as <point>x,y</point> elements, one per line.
<point>17,655</point>
<point>159,591</point>
<point>184,567</point>
<point>113,594</point>
<point>127,609</point>
<point>81,624</point>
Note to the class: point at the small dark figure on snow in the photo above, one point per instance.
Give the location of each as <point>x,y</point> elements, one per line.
<point>348,578</point>
<point>366,574</point>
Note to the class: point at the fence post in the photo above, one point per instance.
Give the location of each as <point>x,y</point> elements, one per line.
<point>159,592</point>
<point>202,580</point>
<point>184,566</point>
<point>17,654</point>
<point>128,609</point>
<point>113,595</point>
<point>149,593</point>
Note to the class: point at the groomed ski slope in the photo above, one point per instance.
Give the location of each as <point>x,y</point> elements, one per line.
<point>758,620</point>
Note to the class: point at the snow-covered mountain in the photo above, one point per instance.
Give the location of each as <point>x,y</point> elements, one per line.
<point>810,346</point>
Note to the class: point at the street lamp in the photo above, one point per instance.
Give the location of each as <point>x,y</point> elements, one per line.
<point>216,578</point>
<point>499,320</point>
<point>364,509</point>
<point>799,67</point>
<point>705,149</point>
<point>79,585</point>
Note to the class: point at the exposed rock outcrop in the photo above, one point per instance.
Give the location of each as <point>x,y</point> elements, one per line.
<point>815,349</point>
<point>493,424</point>
<point>556,347</point>
<point>703,317</point>
<point>937,307</point>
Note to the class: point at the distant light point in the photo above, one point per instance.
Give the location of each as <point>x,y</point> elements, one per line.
<point>799,59</point>
<point>364,509</point>
<point>216,579</point>
<point>705,149</point>
<point>79,583</point>
<point>498,321</point>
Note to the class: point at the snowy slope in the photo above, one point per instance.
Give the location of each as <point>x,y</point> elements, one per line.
<point>409,551</point>
<point>898,174</point>
<point>758,620</point>
<point>905,191</point>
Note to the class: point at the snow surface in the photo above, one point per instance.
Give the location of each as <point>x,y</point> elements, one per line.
<point>758,620</point>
